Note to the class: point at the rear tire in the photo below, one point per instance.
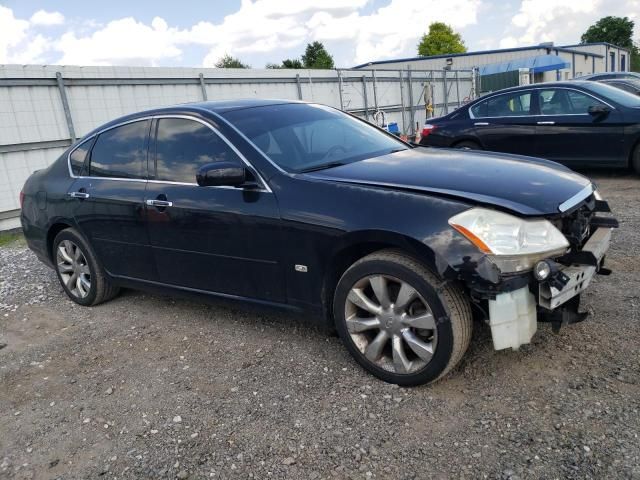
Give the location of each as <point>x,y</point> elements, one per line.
<point>79,271</point>
<point>467,145</point>
<point>399,321</point>
<point>635,159</point>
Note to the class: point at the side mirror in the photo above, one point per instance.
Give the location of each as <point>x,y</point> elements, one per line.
<point>598,110</point>
<point>221,173</point>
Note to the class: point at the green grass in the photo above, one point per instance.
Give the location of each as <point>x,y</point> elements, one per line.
<point>11,238</point>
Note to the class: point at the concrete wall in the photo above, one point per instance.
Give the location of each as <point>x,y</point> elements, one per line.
<point>35,129</point>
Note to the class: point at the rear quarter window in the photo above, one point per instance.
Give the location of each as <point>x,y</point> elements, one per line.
<point>78,157</point>
<point>480,109</point>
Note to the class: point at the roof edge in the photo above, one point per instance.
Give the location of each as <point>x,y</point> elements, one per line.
<point>560,48</point>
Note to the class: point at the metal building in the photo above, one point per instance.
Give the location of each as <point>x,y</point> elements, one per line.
<point>570,61</point>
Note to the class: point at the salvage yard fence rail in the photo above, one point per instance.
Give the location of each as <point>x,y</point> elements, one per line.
<point>44,109</point>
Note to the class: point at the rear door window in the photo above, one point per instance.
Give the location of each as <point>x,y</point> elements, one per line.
<point>121,152</point>
<point>183,146</point>
<point>515,104</point>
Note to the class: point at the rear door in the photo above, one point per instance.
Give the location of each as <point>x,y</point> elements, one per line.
<point>217,239</point>
<point>568,134</point>
<point>504,123</point>
<point>108,196</point>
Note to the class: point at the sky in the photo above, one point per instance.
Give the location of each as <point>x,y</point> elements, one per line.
<point>196,33</point>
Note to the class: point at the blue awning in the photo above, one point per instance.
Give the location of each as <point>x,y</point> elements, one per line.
<point>537,64</point>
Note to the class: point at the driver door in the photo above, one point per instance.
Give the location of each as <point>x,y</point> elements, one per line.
<point>216,239</point>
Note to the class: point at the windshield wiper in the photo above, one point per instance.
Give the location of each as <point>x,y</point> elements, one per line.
<point>322,167</point>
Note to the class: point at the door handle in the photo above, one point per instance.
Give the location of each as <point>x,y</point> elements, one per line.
<point>81,195</point>
<point>546,123</point>
<point>481,124</point>
<point>159,203</point>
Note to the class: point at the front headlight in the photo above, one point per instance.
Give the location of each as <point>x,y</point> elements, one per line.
<point>512,243</point>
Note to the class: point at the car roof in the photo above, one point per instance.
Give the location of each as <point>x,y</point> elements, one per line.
<point>572,84</point>
<point>592,76</point>
<point>221,106</point>
<point>198,108</point>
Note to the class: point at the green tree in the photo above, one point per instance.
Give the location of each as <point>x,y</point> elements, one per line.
<point>440,40</point>
<point>316,56</point>
<point>293,63</point>
<point>227,61</point>
<point>288,63</point>
<point>616,30</point>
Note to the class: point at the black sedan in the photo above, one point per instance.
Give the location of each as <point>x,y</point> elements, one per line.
<point>630,85</point>
<point>596,77</point>
<point>577,123</point>
<point>304,207</point>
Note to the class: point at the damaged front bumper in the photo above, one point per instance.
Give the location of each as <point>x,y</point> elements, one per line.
<point>513,315</point>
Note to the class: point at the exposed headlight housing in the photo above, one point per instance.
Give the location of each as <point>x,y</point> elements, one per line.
<point>513,244</point>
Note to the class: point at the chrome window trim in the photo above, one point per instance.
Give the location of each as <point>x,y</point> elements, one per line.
<point>577,198</point>
<point>541,114</point>
<point>264,187</point>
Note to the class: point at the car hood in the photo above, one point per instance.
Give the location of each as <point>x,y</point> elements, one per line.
<point>528,186</point>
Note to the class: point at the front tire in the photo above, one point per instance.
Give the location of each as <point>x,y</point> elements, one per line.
<point>399,321</point>
<point>79,272</point>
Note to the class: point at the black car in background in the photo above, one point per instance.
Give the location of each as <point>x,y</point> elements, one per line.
<point>576,123</point>
<point>596,77</point>
<point>631,85</point>
<point>304,207</point>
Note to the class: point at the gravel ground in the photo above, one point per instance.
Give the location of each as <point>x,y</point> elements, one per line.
<point>149,386</point>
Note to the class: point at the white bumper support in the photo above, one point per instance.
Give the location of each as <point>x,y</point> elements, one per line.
<point>580,276</point>
<point>513,315</point>
<point>513,318</point>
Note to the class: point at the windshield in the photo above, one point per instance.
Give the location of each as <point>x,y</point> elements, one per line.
<point>302,137</point>
<point>625,99</point>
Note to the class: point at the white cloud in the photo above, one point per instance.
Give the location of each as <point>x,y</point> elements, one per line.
<point>263,26</point>
<point>42,17</point>
<point>269,30</point>
<point>395,28</point>
<point>32,51</point>
<point>19,41</point>
<point>121,42</point>
<point>12,32</point>
<point>561,21</point>
<point>258,28</point>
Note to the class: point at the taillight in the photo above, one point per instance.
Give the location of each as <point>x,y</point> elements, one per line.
<point>21,198</point>
<point>427,129</point>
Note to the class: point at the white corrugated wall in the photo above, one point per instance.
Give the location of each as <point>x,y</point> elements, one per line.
<point>34,130</point>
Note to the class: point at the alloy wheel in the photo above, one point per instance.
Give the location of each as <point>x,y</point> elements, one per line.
<point>391,324</point>
<point>73,268</point>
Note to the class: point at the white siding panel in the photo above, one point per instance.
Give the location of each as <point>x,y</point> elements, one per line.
<point>31,114</point>
<point>15,167</point>
<point>34,114</point>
